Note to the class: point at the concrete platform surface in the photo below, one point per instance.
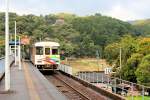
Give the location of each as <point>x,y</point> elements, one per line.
<point>29,84</point>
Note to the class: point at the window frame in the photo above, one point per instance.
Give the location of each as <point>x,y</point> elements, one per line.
<point>49,50</point>
<point>55,53</point>
<point>39,52</point>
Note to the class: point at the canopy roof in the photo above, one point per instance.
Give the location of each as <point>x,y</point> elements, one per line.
<point>13,42</point>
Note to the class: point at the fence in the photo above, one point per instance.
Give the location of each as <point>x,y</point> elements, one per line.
<point>115,85</point>
<point>66,69</point>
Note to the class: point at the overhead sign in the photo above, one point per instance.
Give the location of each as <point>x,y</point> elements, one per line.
<point>25,40</point>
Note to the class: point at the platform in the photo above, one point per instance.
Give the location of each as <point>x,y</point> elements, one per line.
<point>29,84</point>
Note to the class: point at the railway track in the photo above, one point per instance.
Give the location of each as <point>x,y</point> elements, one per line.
<point>72,89</point>
<point>67,89</point>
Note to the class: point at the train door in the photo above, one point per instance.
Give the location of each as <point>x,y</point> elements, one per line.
<point>39,56</point>
<point>55,55</point>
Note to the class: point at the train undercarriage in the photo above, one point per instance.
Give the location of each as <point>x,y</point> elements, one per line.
<point>47,67</point>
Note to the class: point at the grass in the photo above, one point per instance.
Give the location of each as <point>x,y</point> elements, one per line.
<point>138,98</point>
<point>87,65</point>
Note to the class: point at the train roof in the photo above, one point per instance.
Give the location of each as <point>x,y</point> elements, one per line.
<point>46,44</point>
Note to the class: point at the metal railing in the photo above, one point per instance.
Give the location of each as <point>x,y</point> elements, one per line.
<point>112,84</point>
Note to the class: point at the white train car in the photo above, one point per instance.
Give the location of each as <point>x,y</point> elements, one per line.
<point>45,55</point>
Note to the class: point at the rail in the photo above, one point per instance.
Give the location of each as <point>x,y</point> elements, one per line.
<point>73,89</point>
<point>84,96</point>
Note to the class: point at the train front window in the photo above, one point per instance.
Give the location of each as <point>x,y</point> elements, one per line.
<point>39,50</point>
<point>47,51</point>
<point>54,51</point>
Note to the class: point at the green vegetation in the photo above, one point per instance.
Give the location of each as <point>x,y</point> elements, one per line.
<point>135,58</point>
<point>75,34</point>
<point>81,37</point>
<point>142,72</point>
<point>142,26</point>
<point>139,98</point>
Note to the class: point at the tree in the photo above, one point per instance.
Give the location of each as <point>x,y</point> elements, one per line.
<point>87,48</point>
<point>130,57</point>
<point>143,71</point>
<point>112,52</point>
<point>129,46</point>
<point>93,32</point>
<point>128,71</point>
<point>38,35</point>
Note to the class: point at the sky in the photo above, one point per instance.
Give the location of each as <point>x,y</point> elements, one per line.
<point>121,9</point>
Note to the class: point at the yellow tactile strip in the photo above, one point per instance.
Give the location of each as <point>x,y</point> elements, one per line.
<point>30,84</point>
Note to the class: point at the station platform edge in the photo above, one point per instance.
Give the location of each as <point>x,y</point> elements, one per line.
<point>29,84</point>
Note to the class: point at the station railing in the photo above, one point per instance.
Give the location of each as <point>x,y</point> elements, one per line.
<point>115,85</point>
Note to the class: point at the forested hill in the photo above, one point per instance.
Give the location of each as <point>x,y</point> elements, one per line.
<point>75,34</point>
<point>143,26</point>
<point>84,36</point>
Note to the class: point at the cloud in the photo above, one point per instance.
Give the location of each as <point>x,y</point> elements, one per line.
<point>121,9</point>
<point>130,10</point>
<point>122,13</point>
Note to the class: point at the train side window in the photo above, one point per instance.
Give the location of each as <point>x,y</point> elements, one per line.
<point>54,51</point>
<point>47,51</point>
<point>39,50</point>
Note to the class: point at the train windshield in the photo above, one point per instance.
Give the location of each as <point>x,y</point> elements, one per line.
<point>54,51</point>
<point>39,50</point>
<point>47,51</point>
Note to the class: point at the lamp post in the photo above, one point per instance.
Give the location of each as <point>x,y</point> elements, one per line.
<point>7,65</point>
<point>15,45</point>
<point>19,51</point>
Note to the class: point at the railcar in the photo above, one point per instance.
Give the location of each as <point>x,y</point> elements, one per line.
<point>45,55</point>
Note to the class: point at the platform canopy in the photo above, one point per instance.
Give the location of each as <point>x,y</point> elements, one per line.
<point>13,42</point>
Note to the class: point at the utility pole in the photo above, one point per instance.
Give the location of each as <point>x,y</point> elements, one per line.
<point>7,65</point>
<point>15,45</point>
<point>98,59</point>
<point>120,60</point>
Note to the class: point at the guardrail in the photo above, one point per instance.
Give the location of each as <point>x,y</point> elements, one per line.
<point>66,69</point>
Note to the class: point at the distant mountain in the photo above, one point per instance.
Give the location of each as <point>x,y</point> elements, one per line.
<point>140,22</point>
<point>142,25</point>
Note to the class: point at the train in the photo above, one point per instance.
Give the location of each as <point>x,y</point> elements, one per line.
<point>45,55</point>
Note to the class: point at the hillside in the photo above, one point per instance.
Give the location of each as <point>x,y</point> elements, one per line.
<point>74,33</point>
<point>142,26</point>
